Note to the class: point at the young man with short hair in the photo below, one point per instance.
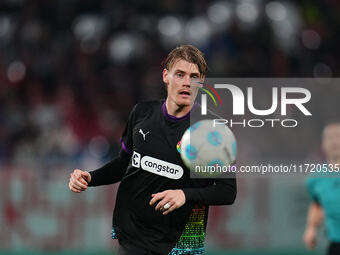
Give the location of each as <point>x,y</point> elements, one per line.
<point>159,208</point>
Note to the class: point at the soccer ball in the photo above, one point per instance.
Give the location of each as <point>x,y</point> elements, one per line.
<point>203,144</point>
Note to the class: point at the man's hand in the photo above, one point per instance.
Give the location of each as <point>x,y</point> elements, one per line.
<point>309,237</point>
<point>79,180</point>
<point>174,198</point>
<point>314,219</point>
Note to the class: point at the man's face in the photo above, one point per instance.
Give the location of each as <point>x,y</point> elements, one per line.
<point>182,81</point>
<point>331,141</point>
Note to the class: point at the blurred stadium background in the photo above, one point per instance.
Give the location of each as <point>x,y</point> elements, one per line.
<point>71,70</point>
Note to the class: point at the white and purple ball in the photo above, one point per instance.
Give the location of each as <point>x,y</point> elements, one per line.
<point>204,144</point>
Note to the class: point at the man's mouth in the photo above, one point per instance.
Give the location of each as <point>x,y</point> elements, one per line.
<point>185,93</point>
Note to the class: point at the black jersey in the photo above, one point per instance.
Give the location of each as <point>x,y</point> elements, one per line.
<point>151,137</point>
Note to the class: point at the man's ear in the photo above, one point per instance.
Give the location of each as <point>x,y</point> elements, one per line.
<point>165,76</point>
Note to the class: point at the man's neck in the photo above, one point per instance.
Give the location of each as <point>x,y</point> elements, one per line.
<point>175,110</point>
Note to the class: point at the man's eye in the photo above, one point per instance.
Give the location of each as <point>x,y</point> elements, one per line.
<point>179,75</point>
<point>195,79</point>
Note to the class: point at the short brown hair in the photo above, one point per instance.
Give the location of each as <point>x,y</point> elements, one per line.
<point>188,53</point>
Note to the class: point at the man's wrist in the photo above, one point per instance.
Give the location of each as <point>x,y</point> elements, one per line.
<point>312,227</point>
<point>188,193</point>
<point>185,199</point>
<point>90,178</point>
<point>90,182</point>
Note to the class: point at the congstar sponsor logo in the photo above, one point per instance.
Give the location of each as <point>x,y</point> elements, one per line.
<point>157,166</point>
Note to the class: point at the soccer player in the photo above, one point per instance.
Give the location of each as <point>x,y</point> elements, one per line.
<point>159,209</point>
<point>325,193</point>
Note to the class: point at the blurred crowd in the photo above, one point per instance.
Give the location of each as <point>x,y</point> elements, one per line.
<point>71,70</point>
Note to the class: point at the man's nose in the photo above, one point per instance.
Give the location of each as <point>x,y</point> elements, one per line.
<point>187,81</point>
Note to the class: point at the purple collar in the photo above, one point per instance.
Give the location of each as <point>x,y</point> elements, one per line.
<point>173,118</point>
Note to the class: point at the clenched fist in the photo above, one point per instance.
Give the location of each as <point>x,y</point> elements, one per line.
<point>79,180</point>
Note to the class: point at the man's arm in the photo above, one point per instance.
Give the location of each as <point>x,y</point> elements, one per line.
<point>113,171</point>
<point>221,192</point>
<point>110,173</point>
<point>315,217</point>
